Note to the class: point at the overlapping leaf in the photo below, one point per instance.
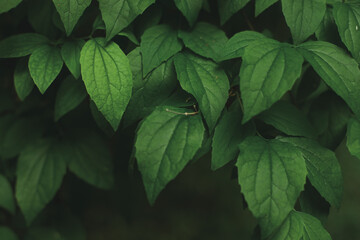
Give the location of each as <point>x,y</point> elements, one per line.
<point>21,45</point>
<point>70,53</point>
<point>190,9</point>
<point>227,8</point>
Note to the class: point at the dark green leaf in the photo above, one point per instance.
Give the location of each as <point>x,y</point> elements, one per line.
<point>262,5</point>
<point>21,45</point>
<point>327,29</point>
<point>22,80</point>
<point>129,35</point>
<point>7,234</point>
<point>6,196</point>
<point>353,137</point>
<point>100,120</point>
<point>6,5</point>
<point>70,53</point>
<point>227,8</point>
<point>190,9</point>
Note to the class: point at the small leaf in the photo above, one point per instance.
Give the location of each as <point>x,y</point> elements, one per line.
<point>347,18</point>
<point>22,80</point>
<point>262,5</point>
<point>6,5</point>
<point>158,44</point>
<point>165,143</point>
<point>21,45</point>
<point>336,68</point>
<point>70,94</point>
<point>324,171</point>
<point>227,8</point>
<point>206,82</point>
<point>353,137</point>
<point>268,71</point>
<point>129,35</point>
<point>6,196</point>
<point>287,118</point>
<point>118,14</point>
<point>206,40</point>
<point>7,233</point>
<point>107,75</point>
<point>70,53</point>
<point>40,170</point>
<point>271,175</point>
<point>45,64</point>
<point>190,9</point>
<point>303,17</point>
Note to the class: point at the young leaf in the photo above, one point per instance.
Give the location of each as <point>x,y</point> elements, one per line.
<point>228,133</point>
<point>6,5</point>
<point>45,64</point>
<point>21,45</point>
<point>190,9</point>
<point>347,18</point>
<point>271,175</point>
<point>303,17</point>
<point>165,143</point>
<point>206,82</point>
<point>324,171</point>
<point>336,68</point>
<point>227,8</point>
<point>22,80</point>
<point>70,11</point>
<point>40,170</point>
<point>235,47</point>
<point>262,5</point>
<point>7,233</point>
<point>268,71</point>
<point>205,40</point>
<point>6,196</point>
<point>158,44</point>
<point>70,94</point>
<point>107,75</point>
<point>353,137</point>
<point>118,14</point>
<point>287,118</point>
<point>70,53</point>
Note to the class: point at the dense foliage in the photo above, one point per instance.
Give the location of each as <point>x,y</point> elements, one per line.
<point>142,88</point>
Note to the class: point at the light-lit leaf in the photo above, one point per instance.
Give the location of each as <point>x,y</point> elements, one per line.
<point>6,195</point>
<point>227,8</point>
<point>107,75</point>
<point>262,5</point>
<point>22,80</point>
<point>70,53</point>
<point>190,9</point>
<point>21,45</point>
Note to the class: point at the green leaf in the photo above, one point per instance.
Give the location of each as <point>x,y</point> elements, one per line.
<point>129,35</point>
<point>6,196</point>
<point>118,14</point>
<point>158,44</point>
<point>165,143</point>
<point>336,68</point>
<point>227,8</point>
<point>303,17</point>
<point>21,45</point>
<point>70,53</point>
<point>324,171</point>
<point>300,225</point>
<point>107,75</point>
<point>45,64</point>
<point>327,30</point>
<point>228,134</point>
<point>100,120</point>
<point>90,159</point>
<point>40,15</point>
<point>40,170</point>
<point>353,137</point>
<point>190,9</point>
<point>235,47</point>
<point>70,94</point>
<point>70,12</point>
<point>287,118</point>
<point>206,40</point>
<point>268,71</point>
<point>22,80</point>
<point>206,82</point>
<point>6,5</point>
<point>347,18</point>
<point>271,175</point>
<point>7,233</point>
<point>262,5</point>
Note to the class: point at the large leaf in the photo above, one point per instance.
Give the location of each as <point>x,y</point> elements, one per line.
<point>70,11</point>
<point>6,195</point>
<point>107,75</point>
<point>227,8</point>
<point>336,68</point>
<point>158,44</point>
<point>40,170</point>
<point>324,171</point>
<point>118,14</point>
<point>166,141</point>
<point>271,175</point>
<point>347,18</point>
<point>7,233</point>
<point>353,137</point>
<point>303,17</point>
<point>268,71</point>
<point>206,82</point>
<point>262,5</point>
<point>22,80</point>
<point>206,40</point>
<point>6,5</point>
<point>70,53</point>
<point>21,45</point>
<point>190,9</point>
<point>45,64</point>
